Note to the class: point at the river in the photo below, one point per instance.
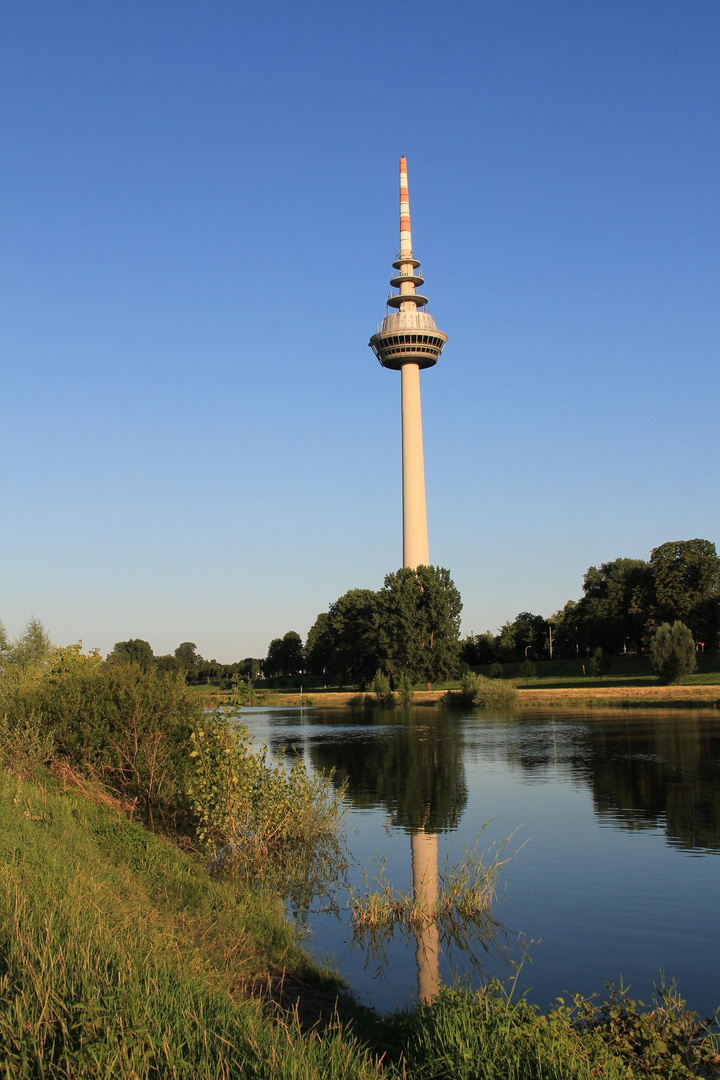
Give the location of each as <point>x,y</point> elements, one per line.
<point>614,818</point>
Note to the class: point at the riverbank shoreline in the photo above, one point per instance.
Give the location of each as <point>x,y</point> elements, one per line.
<point>530,697</point>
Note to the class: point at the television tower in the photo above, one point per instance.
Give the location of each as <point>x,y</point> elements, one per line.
<point>407,341</point>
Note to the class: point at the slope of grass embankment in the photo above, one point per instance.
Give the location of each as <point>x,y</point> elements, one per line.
<point>121,957</point>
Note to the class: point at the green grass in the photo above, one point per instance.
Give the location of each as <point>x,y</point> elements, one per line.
<point>120,957</point>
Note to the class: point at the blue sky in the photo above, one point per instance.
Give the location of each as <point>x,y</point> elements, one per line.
<point>198,215</point>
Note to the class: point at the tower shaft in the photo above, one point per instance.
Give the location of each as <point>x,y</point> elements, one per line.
<point>415,530</point>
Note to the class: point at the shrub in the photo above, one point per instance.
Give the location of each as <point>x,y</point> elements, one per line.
<point>404,687</point>
<point>381,689</point>
<point>496,670</point>
<point>672,652</point>
<point>477,692</point>
<point>127,727</point>
<point>258,821</point>
<point>528,669</point>
<point>600,663</point>
<point>24,747</point>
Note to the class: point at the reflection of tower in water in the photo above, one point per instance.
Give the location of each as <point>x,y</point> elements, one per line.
<point>425,892</point>
<point>415,771</point>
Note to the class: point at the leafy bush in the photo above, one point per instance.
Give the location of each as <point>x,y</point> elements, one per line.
<point>258,821</point>
<point>477,692</point>
<point>528,669</point>
<point>672,652</point>
<point>600,663</point>
<point>128,727</point>
<point>496,670</point>
<point>381,689</point>
<point>404,688</point>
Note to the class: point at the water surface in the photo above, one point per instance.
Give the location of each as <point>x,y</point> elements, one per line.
<point>619,813</point>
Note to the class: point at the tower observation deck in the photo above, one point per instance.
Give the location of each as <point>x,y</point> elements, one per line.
<point>408,341</point>
<point>408,335</point>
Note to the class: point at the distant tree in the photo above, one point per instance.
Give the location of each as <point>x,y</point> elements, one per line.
<point>505,642</point>
<point>566,631</point>
<point>188,659</point>
<point>320,647</point>
<point>600,663</point>
<point>353,634</point>
<point>528,670</point>
<point>250,667</point>
<point>672,652</point>
<point>271,664</point>
<point>420,622</point>
<point>133,651</point>
<point>530,633</point>
<point>686,576</point>
<point>168,663</point>
<point>285,655</point>
<point>477,649</point>
<point>616,605</point>
<point>32,647</point>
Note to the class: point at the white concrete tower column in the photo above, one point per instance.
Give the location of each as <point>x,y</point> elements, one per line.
<point>409,341</point>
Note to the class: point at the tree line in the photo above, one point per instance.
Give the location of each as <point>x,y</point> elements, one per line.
<point>623,604</point>
<point>409,629</point>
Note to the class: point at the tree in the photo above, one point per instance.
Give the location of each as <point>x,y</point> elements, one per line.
<point>188,659</point>
<point>33,647</point>
<point>616,604</point>
<point>476,649</point>
<point>528,670</point>
<point>672,652</point>
<point>285,655</point>
<point>320,647</point>
<point>133,651</point>
<point>420,623</point>
<point>168,664</point>
<point>600,663</point>
<point>353,633</point>
<point>686,575</point>
<point>566,631</point>
<point>505,641</point>
<point>530,633</point>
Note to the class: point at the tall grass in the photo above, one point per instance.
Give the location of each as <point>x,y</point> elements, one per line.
<point>120,957</point>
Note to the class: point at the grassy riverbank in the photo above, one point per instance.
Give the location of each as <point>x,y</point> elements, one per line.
<point>629,682</point>
<point>533,693</point>
<point>146,850</point>
<point>121,957</point>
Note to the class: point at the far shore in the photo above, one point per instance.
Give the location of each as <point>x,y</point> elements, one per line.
<point>529,697</point>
